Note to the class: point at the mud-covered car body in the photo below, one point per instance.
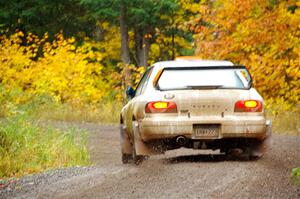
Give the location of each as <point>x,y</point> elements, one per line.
<point>193,104</point>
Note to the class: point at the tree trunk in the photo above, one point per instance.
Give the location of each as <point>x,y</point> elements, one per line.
<point>146,48</point>
<point>125,55</point>
<point>142,46</point>
<point>173,35</point>
<point>173,45</point>
<point>138,43</point>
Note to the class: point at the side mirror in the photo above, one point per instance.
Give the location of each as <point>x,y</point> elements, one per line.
<point>130,92</point>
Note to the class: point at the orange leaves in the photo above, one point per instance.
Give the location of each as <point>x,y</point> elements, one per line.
<point>264,38</point>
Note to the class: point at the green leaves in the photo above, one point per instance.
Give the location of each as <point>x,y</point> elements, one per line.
<point>40,16</point>
<point>296,176</point>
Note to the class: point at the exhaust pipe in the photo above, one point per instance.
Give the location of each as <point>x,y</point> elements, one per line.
<point>181,140</point>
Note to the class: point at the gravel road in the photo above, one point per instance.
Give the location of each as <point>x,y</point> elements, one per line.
<point>180,173</point>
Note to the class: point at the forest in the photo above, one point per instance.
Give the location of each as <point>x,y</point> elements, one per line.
<point>88,51</point>
<point>73,59</point>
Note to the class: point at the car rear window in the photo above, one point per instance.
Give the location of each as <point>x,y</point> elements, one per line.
<point>204,78</point>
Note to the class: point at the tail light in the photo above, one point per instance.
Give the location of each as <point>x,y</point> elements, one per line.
<point>161,107</point>
<point>248,106</point>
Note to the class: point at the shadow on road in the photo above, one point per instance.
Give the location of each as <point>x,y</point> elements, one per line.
<point>206,158</point>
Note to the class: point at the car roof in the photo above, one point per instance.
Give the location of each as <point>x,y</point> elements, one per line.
<point>192,63</point>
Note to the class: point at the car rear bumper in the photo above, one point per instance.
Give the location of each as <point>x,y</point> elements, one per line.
<point>229,127</point>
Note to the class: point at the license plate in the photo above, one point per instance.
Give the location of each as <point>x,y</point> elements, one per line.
<point>206,130</point>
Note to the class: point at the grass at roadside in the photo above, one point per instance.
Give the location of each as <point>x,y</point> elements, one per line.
<point>26,148</point>
<point>286,122</point>
<point>296,176</point>
<point>108,112</point>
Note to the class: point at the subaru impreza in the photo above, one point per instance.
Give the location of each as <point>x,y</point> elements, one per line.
<point>199,104</point>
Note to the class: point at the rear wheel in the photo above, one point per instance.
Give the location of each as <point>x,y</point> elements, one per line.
<point>260,147</point>
<point>251,154</point>
<point>243,153</point>
<point>138,159</point>
<point>126,158</point>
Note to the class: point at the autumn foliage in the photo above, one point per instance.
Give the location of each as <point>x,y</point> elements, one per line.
<point>261,34</point>
<point>59,69</point>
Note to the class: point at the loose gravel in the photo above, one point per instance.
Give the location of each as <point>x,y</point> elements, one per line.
<point>180,173</point>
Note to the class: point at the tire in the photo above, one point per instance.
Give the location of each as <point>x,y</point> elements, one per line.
<point>250,153</point>
<point>138,159</point>
<point>243,153</point>
<point>235,154</point>
<point>255,152</point>
<point>261,147</point>
<point>126,158</point>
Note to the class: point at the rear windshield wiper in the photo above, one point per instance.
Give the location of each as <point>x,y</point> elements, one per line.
<point>204,86</point>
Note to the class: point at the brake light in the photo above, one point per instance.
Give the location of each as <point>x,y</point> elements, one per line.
<point>248,106</point>
<point>161,107</point>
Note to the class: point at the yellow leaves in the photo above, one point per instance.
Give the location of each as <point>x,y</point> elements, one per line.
<point>67,72</point>
<point>20,34</point>
<point>71,40</point>
<point>137,73</point>
<point>190,6</point>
